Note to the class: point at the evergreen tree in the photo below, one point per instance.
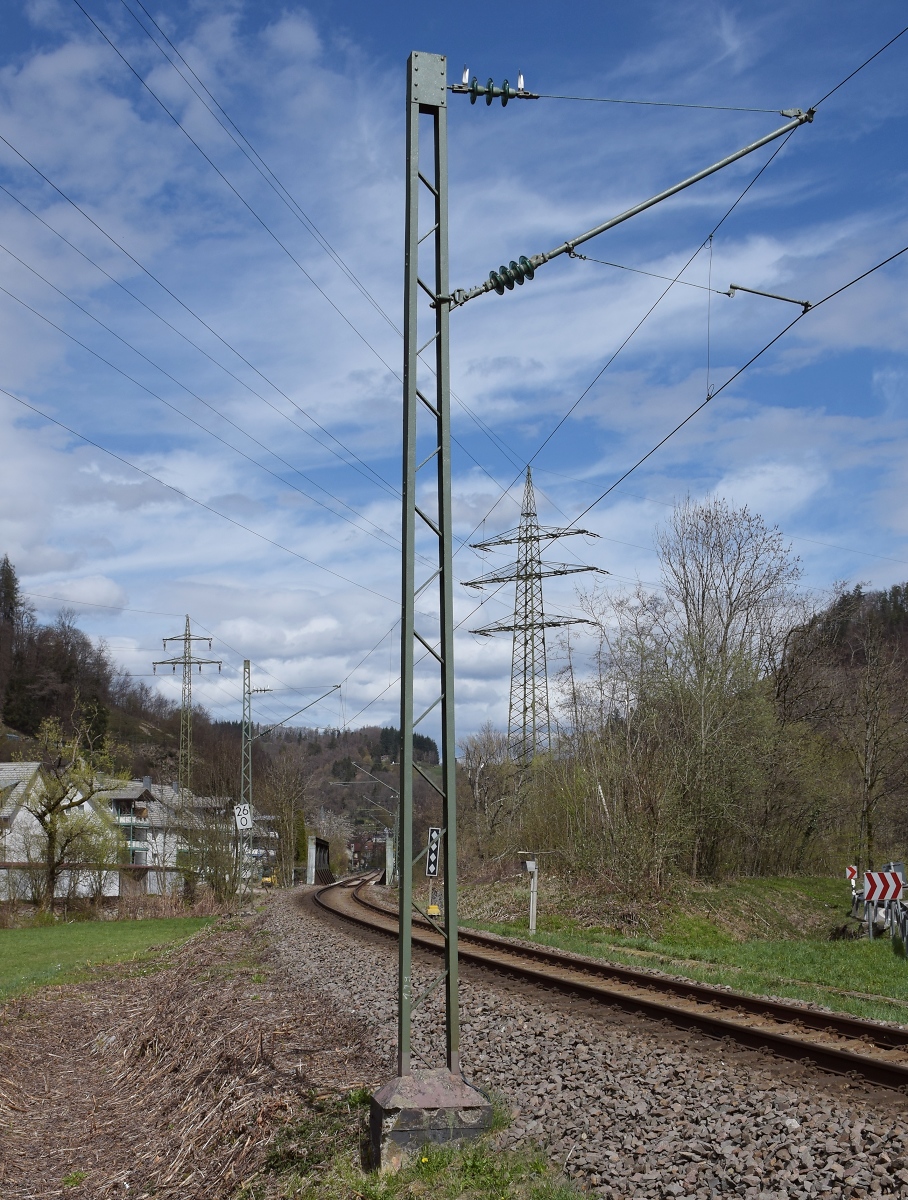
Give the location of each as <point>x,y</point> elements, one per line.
<point>10,620</point>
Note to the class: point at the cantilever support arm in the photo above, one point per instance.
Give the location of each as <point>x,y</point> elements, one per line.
<point>739,287</point>
<point>461,296</point>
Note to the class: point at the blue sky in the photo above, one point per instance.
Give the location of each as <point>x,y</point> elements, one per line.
<point>259,394</point>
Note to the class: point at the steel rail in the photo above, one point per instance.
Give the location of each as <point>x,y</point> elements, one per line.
<point>884,1036</point>
<point>576,976</point>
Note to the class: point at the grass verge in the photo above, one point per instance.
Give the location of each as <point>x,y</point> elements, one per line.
<point>768,937</point>
<point>860,977</point>
<point>59,953</point>
<point>317,1157</point>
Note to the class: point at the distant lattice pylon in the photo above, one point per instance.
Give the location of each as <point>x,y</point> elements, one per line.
<point>187,661</point>
<point>529,722</point>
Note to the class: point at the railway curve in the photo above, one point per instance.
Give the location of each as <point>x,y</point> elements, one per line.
<point>840,1044</point>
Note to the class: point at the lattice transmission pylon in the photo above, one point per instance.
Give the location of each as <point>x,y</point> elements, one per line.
<point>187,661</point>
<point>529,722</point>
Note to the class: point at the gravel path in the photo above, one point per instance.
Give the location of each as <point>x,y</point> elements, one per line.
<point>629,1108</point>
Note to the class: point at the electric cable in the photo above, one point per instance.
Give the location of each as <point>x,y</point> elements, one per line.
<point>201,350</point>
<point>233,189</point>
<point>866,61</point>
<point>379,533</point>
<point>795,537</point>
<point>245,146</point>
<point>632,333</point>
<point>740,371</point>
<point>652,274</point>
<point>380,479</point>
<point>727,214</point>
<point>96,604</point>
<point>660,103</point>
<point>724,385</point>
<point>302,216</point>
<point>373,477</point>
<point>193,500</point>
<point>425,654</point>
<point>727,382</point>
<point>778,149</point>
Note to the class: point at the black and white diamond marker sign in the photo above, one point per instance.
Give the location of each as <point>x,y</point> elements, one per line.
<point>433,852</point>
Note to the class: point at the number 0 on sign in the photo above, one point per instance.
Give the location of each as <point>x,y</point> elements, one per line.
<point>433,851</point>
<point>243,815</point>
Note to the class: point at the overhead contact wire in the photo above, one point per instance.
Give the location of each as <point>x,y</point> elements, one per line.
<point>740,371</point>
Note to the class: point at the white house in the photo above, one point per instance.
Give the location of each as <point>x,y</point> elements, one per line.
<point>150,818</point>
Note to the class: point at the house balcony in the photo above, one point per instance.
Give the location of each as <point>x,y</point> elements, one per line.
<point>129,819</point>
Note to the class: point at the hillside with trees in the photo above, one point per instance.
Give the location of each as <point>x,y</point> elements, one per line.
<point>723,726</point>
<point>53,676</point>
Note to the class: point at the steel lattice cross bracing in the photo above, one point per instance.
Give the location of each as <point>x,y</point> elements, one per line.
<point>187,661</point>
<point>427,663</point>
<point>436,1104</point>
<point>529,720</point>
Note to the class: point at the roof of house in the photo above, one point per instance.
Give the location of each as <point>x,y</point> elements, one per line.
<point>15,778</point>
<point>122,790</point>
<point>163,802</point>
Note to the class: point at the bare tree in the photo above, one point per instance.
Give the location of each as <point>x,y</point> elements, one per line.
<point>495,787</point>
<point>666,739</point>
<point>729,594</point>
<point>283,793</point>
<point>869,713</point>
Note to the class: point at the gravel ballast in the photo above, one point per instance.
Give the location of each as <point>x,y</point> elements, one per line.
<point>627,1107</point>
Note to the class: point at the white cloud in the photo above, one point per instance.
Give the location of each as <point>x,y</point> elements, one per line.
<point>328,118</point>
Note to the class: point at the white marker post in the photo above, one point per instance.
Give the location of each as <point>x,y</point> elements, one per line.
<point>531,867</point>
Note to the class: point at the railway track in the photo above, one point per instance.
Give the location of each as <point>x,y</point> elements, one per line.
<point>833,1042</point>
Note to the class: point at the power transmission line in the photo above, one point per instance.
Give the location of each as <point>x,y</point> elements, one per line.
<point>233,189</point>
<point>305,220</point>
<point>193,500</point>
<point>395,492</point>
<point>94,603</point>
<point>374,477</point>
<point>378,533</point>
<point>192,420</point>
<point>245,146</point>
